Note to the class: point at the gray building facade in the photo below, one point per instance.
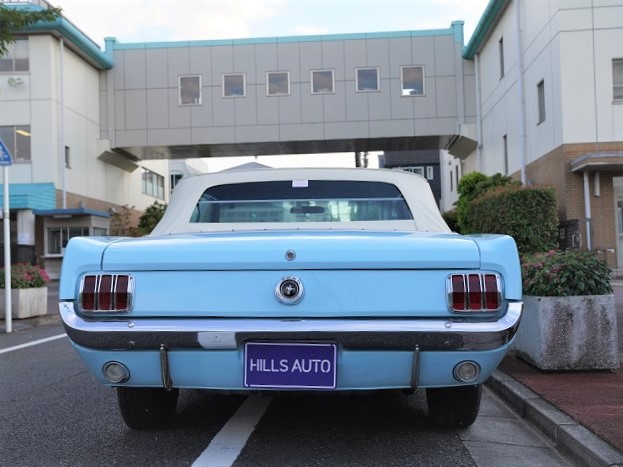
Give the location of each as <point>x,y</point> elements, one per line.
<point>316,94</point>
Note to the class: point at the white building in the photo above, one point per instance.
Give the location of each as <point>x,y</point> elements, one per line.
<point>549,78</point>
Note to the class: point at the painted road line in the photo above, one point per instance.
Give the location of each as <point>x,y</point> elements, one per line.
<point>30,344</point>
<point>228,443</point>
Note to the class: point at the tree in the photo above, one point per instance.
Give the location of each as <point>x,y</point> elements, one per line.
<point>12,19</point>
<point>151,217</point>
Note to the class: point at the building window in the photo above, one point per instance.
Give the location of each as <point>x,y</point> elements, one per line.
<point>430,172</point>
<point>190,90</point>
<point>617,78</point>
<point>278,83</point>
<point>456,173</point>
<point>412,80</point>
<point>67,159</point>
<point>451,182</point>
<point>367,79</point>
<point>501,50</point>
<point>17,57</point>
<point>322,82</point>
<point>540,91</point>
<point>505,149</point>
<point>175,179</point>
<point>414,170</point>
<point>234,85</point>
<point>59,236</point>
<point>17,140</point>
<point>152,184</point>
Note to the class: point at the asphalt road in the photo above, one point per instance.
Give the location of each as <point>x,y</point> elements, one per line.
<point>53,413</point>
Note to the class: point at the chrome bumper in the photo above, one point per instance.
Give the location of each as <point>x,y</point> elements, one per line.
<point>226,333</point>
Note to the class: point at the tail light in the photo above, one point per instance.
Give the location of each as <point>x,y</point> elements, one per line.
<point>106,292</point>
<point>474,292</point>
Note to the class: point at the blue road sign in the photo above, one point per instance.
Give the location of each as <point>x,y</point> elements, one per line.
<point>5,155</point>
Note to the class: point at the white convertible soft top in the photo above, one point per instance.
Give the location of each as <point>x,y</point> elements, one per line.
<point>414,188</point>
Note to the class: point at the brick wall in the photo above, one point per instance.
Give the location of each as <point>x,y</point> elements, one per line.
<point>554,169</point>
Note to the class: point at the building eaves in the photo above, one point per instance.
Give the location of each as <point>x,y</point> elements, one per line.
<point>76,39</point>
<point>487,22</point>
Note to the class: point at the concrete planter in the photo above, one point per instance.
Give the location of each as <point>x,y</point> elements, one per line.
<point>26,303</point>
<point>569,333</point>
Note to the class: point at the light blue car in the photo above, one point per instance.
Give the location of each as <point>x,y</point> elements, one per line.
<point>294,280</point>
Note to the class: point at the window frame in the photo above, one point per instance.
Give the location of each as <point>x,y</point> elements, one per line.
<point>153,187</point>
<point>540,97</point>
<point>617,85</point>
<point>277,94</point>
<point>323,70</point>
<point>10,56</point>
<point>14,146</point>
<point>199,100</point>
<point>501,56</point>
<point>402,81</point>
<point>378,79</point>
<point>224,77</point>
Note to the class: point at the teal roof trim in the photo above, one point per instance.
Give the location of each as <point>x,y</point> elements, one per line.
<point>30,195</point>
<point>487,21</point>
<point>67,30</point>
<point>71,212</point>
<point>452,31</point>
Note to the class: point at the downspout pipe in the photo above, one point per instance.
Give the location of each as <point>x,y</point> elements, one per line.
<point>587,211</point>
<point>521,94</point>
<point>62,161</point>
<point>478,116</point>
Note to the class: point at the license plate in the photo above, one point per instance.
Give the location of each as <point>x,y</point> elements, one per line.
<point>273,365</point>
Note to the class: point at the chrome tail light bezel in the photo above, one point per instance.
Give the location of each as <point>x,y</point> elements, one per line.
<point>106,293</point>
<point>474,292</point>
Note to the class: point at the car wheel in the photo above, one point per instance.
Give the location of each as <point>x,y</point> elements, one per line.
<point>455,406</point>
<point>147,408</point>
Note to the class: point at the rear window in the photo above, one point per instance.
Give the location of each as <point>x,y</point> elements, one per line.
<point>301,201</point>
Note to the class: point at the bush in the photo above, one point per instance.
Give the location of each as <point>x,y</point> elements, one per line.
<point>451,220</point>
<point>25,276</point>
<point>472,186</point>
<point>151,217</point>
<point>565,273</point>
<point>529,215</point>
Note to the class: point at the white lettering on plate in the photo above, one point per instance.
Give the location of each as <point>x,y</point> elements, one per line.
<point>299,365</point>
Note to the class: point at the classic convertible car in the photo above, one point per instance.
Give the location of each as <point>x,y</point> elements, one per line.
<point>337,280</point>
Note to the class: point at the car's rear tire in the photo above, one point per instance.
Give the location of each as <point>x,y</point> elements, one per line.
<point>455,406</point>
<point>147,408</point>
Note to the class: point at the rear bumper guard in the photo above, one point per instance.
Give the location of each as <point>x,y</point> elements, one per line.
<point>353,334</point>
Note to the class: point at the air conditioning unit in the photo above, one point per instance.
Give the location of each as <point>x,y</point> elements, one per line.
<point>15,81</point>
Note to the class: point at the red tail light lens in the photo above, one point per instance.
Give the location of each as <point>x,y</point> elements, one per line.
<point>474,292</point>
<point>106,292</point>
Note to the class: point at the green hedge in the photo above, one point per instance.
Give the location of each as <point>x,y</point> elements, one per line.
<point>529,215</point>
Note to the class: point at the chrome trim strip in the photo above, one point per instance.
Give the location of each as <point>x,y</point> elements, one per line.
<point>227,333</point>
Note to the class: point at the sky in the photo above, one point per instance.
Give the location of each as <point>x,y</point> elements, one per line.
<point>182,20</point>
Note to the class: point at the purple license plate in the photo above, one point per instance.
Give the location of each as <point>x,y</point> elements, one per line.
<point>273,365</point>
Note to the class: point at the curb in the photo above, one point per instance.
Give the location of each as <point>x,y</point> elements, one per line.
<point>563,431</point>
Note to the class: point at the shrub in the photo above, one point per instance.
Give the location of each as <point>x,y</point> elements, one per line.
<point>151,217</point>
<point>529,215</point>
<point>25,276</point>
<point>472,186</point>
<point>451,220</point>
<point>564,273</point>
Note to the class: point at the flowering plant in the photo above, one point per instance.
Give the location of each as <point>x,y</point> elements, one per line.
<point>25,276</point>
<point>565,273</point>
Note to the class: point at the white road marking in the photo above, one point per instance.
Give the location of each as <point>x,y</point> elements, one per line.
<point>226,446</point>
<point>30,344</point>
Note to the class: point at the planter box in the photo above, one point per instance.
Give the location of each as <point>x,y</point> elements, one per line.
<point>569,333</point>
<point>26,303</point>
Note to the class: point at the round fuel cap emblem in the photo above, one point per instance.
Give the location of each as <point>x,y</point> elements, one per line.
<point>289,290</point>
